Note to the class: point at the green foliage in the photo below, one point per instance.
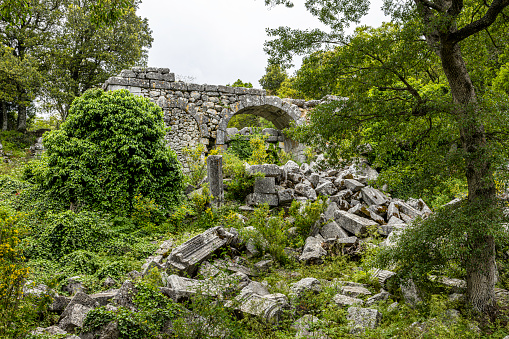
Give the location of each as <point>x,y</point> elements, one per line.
<point>16,143</point>
<point>273,79</point>
<point>240,83</point>
<point>446,242</point>
<point>196,162</point>
<point>240,146</point>
<point>67,232</point>
<point>110,150</point>
<point>240,121</point>
<point>241,183</point>
<point>306,215</point>
<point>80,262</point>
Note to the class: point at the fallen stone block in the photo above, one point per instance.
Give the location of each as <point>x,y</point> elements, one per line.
<point>306,285</point>
<point>332,207</point>
<point>313,251</point>
<point>314,179</point>
<point>410,293</point>
<point>326,189</point>
<point>372,196</point>
<point>125,295</point>
<point>268,307</point>
<point>180,288</point>
<point>332,230</point>
<point>306,191</point>
<point>383,276</point>
<point>354,291</point>
<point>270,170</point>
<point>291,167</point>
<point>307,327</point>
<point>265,185</point>
<point>344,300</point>
<point>382,296</point>
<point>395,221</point>
<point>353,223</point>
<point>190,254</point>
<point>353,185</point>
<point>285,196</point>
<point>76,311</point>
<point>103,298</point>
<point>59,303</point>
<point>255,199</point>
<point>408,210</point>
<point>386,230</point>
<point>360,319</point>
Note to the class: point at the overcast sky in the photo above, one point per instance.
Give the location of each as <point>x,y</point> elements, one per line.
<point>220,41</point>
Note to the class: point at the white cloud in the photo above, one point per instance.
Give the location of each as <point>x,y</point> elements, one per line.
<point>220,41</point>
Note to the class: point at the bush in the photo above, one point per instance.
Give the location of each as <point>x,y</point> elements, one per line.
<point>68,232</point>
<point>110,149</point>
<point>13,271</point>
<point>196,163</point>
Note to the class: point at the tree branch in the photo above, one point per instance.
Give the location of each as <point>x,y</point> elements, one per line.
<point>430,5</point>
<point>496,7</point>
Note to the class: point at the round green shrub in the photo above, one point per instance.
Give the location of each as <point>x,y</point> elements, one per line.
<point>110,150</point>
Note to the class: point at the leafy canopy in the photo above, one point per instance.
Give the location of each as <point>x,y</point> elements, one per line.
<point>111,150</point>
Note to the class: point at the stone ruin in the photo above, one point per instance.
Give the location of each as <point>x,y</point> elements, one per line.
<point>199,114</point>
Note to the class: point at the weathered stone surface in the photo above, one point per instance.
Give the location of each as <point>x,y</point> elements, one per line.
<point>354,291</point>
<point>254,199</point>
<point>306,191</point>
<point>332,230</point>
<point>265,185</point>
<point>343,300</point>
<point>215,178</point>
<point>270,170</point>
<point>304,286</point>
<point>291,167</point>
<point>268,307</point>
<point>313,251</point>
<point>407,209</point>
<point>103,298</point>
<point>383,276</point>
<point>410,293</point>
<point>74,285</point>
<point>382,296</point>
<point>372,196</point>
<point>353,185</point>
<point>361,319</point>
<point>314,179</point>
<point>52,330</point>
<point>285,196</point>
<point>307,328</point>
<point>326,189</point>
<point>76,311</point>
<point>125,295</point>
<point>256,288</point>
<point>187,256</point>
<point>353,223</point>
<point>180,288</point>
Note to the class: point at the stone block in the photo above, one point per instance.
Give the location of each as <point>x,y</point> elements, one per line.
<point>353,223</point>
<point>215,178</point>
<point>103,298</point>
<point>270,170</point>
<point>285,196</point>
<point>306,285</point>
<point>308,327</point>
<point>355,291</point>
<point>190,254</point>
<point>268,307</point>
<point>314,179</point>
<point>265,185</point>
<point>254,199</point>
<point>353,185</point>
<point>180,288</point>
<point>360,319</point>
<point>142,83</point>
<point>153,76</point>
<point>383,276</point>
<point>313,251</point>
<point>306,191</point>
<point>326,189</point>
<point>169,77</point>
<point>127,73</point>
<point>291,167</point>
<point>332,230</point>
<point>372,196</point>
<point>76,311</point>
<point>408,210</point>
<point>343,300</point>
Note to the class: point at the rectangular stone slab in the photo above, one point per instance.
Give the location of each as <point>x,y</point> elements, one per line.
<point>187,256</point>
<point>372,196</point>
<point>353,223</point>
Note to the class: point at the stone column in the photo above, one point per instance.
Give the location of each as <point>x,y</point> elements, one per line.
<point>215,177</point>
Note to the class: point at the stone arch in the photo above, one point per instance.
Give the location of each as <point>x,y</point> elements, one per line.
<point>274,109</point>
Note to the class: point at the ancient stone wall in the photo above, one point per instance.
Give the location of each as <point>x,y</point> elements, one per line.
<point>199,114</point>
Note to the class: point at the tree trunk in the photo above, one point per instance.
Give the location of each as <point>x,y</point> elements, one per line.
<point>5,118</point>
<point>481,267</point>
<point>22,118</point>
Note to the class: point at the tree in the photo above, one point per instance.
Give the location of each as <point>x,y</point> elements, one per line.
<point>273,78</point>
<point>85,54</point>
<point>240,83</point>
<point>108,153</point>
<point>431,41</point>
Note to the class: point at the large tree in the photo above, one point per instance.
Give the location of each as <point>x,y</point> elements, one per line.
<point>428,73</point>
<point>85,54</point>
